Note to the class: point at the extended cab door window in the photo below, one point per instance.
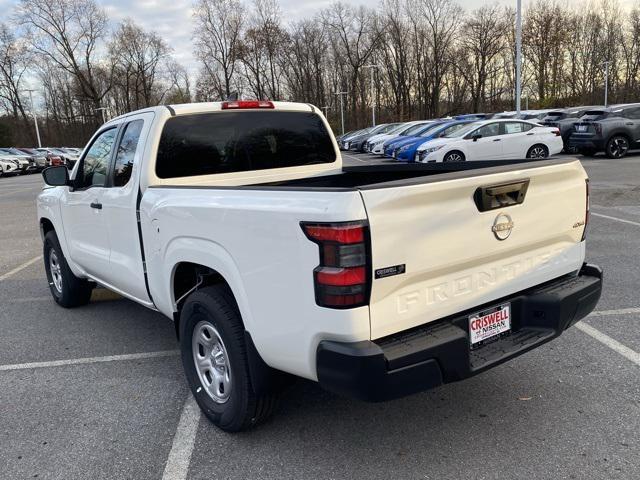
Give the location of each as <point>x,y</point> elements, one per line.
<point>95,164</point>
<point>125,154</point>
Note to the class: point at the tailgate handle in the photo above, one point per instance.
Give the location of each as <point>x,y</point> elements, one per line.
<point>503,195</point>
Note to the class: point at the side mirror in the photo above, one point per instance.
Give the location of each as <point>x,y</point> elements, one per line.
<point>56,176</point>
<point>475,137</point>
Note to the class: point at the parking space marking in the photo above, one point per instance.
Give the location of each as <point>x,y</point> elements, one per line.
<point>610,342</point>
<point>621,311</point>
<point>177,466</point>
<point>637,224</point>
<point>28,299</point>
<point>20,268</point>
<point>88,360</point>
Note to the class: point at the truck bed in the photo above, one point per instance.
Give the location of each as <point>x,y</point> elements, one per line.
<point>397,174</point>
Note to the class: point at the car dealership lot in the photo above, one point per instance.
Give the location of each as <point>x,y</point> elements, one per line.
<point>114,404</point>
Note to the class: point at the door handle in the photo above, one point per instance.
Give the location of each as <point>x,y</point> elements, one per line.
<point>530,134</point>
<point>497,139</point>
<point>96,205</point>
<point>504,195</point>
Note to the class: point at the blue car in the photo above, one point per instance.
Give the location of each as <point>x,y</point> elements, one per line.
<point>412,133</point>
<point>406,151</point>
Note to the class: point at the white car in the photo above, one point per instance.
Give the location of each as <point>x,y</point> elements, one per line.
<point>8,167</point>
<point>375,143</point>
<point>237,221</point>
<point>493,140</point>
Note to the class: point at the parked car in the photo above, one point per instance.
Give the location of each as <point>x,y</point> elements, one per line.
<point>55,157</point>
<point>25,162</point>
<point>493,140</point>
<point>564,120</point>
<point>473,116</point>
<point>8,166</point>
<point>406,151</point>
<point>614,131</point>
<point>412,133</point>
<point>345,138</point>
<point>39,157</point>
<point>357,142</point>
<point>376,144</point>
<point>534,115</point>
<point>306,276</point>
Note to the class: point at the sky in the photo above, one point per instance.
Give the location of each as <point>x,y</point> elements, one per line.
<point>172,19</point>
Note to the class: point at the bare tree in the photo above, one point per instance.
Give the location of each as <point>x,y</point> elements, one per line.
<point>218,34</point>
<point>68,34</point>
<point>137,56</point>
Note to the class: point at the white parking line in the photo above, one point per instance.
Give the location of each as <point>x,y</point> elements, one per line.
<point>610,342</point>
<point>88,360</point>
<point>621,311</point>
<point>637,224</point>
<point>177,466</point>
<point>19,268</point>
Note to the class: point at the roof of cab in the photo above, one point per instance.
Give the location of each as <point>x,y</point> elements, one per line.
<point>205,107</point>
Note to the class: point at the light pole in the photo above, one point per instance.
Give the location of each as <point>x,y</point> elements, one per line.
<point>341,94</point>
<point>606,82</point>
<point>518,54</point>
<point>373,97</point>
<point>104,118</point>
<point>35,119</point>
<point>326,111</point>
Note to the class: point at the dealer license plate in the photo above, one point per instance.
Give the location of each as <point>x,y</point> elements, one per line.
<point>489,323</point>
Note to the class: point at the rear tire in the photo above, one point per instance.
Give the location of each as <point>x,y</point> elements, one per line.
<point>538,152</point>
<point>454,156</point>
<point>67,290</point>
<point>617,147</point>
<point>214,357</point>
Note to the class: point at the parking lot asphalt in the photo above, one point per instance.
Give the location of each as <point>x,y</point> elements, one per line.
<point>98,392</point>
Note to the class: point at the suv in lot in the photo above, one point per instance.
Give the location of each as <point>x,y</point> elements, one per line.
<point>612,130</point>
<point>238,221</point>
<point>564,120</point>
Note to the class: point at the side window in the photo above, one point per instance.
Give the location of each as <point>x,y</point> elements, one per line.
<point>96,162</point>
<point>451,129</point>
<point>126,153</point>
<point>516,127</point>
<point>633,113</point>
<point>490,130</point>
<point>513,127</point>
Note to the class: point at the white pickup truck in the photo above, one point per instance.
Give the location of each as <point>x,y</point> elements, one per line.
<point>238,221</point>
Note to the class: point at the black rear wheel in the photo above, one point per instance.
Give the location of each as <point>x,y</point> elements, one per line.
<point>617,147</point>
<point>538,152</point>
<point>214,357</point>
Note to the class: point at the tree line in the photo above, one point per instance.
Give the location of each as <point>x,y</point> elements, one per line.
<point>410,58</point>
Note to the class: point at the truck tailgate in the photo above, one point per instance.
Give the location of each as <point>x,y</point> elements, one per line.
<point>448,243</point>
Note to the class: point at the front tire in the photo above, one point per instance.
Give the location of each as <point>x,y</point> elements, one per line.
<point>617,147</point>
<point>538,152</point>
<point>67,290</point>
<point>214,357</point>
<point>454,156</point>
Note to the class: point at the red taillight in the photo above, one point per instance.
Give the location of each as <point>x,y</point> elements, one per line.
<point>587,209</point>
<point>556,132</point>
<point>246,104</point>
<point>342,280</point>
<point>345,233</point>
<point>56,161</point>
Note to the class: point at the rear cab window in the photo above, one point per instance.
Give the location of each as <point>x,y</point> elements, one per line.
<point>240,141</point>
